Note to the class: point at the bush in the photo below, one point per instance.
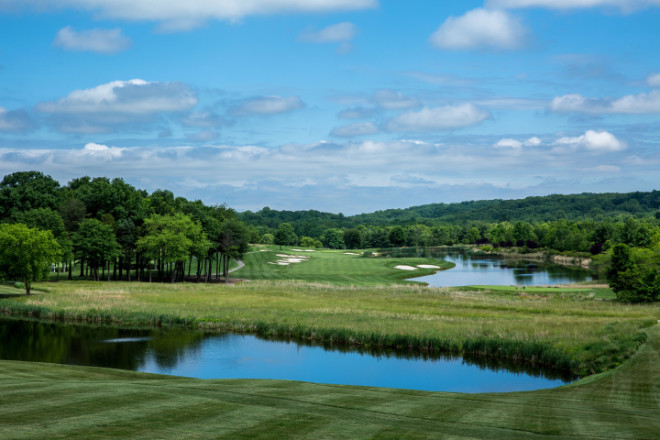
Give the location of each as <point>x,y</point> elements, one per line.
<point>19,285</point>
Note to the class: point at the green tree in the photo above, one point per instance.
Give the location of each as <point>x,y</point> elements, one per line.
<point>309,242</point>
<point>630,282</point>
<point>397,236</point>
<point>353,238</point>
<point>25,190</point>
<point>333,238</point>
<point>267,238</point>
<point>171,239</point>
<point>26,253</point>
<point>285,235</point>
<point>96,244</point>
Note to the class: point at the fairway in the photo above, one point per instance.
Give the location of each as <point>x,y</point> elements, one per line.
<point>336,267</point>
<point>55,401</point>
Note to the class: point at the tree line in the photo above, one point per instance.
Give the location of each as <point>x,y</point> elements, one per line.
<point>108,229</point>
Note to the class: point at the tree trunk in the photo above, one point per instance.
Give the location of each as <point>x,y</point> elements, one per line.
<point>27,287</point>
<point>70,269</point>
<point>82,268</point>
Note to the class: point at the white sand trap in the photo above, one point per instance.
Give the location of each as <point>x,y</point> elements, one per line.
<point>297,250</point>
<point>264,250</point>
<point>282,255</point>
<point>309,250</point>
<point>350,253</point>
<point>282,263</point>
<point>428,266</point>
<point>270,262</point>
<point>404,267</point>
<point>293,260</point>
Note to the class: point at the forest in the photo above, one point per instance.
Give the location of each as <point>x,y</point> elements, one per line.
<point>108,229</point>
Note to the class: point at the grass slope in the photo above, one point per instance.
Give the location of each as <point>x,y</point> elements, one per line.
<point>55,401</point>
<point>336,267</point>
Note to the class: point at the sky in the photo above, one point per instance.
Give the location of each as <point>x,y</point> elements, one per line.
<point>336,105</point>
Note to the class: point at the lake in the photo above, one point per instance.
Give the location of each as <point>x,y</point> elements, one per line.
<point>226,356</point>
<point>479,269</point>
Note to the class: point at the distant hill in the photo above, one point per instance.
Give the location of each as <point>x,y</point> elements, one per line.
<point>531,209</point>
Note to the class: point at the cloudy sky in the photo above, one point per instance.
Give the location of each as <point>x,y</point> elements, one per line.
<point>337,105</point>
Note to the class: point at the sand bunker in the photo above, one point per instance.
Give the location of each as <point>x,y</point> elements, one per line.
<point>285,260</point>
<point>350,253</point>
<point>428,266</point>
<point>404,267</point>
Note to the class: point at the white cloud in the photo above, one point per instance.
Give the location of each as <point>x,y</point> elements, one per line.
<point>336,33</point>
<point>135,97</point>
<point>508,143</point>
<point>515,144</point>
<point>438,118</point>
<point>604,169</point>
<point>182,15</point>
<point>391,100</point>
<point>15,121</point>
<point>598,141</point>
<point>625,5</point>
<point>481,29</point>
<point>642,103</point>
<point>106,41</point>
<point>654,80</point>
<point>353,130</point>
<point>203,136</point>
<point>205,120</point>
<point>267,105</point>
<point>532,142</point>
<point>117,103</point>
<point>102,152</point>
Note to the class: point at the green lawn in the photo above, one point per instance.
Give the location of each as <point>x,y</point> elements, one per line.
<point>330,266</point>
<point>40,401</point>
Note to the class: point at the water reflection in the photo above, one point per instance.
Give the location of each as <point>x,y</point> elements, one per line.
<point>195,354</point>
<point>481,269</point>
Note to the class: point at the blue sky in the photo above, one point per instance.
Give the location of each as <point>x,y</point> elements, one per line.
<point>335,105</point>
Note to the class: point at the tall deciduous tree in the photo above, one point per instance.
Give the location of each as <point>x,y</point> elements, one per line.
<point>172,239</point>
<point>285,235</point>
<point>96,244</point>
<point>26,253</point>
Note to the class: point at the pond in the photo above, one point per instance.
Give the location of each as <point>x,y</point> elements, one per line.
<point>480,270</point>
<point>216,356</point>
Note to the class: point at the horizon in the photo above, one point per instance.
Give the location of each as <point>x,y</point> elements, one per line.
<point>333,105</point>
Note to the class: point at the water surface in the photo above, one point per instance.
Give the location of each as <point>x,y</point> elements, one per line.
<point>225,356</point>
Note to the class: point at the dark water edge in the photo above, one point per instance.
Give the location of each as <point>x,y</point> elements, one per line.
<point>207,355</point>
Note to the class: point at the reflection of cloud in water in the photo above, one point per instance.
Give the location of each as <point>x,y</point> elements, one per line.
<point>123,340</point>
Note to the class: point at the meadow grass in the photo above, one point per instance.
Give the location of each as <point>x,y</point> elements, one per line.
<point>333,266</point>
<point>64,402</point>
<point>571,334</point>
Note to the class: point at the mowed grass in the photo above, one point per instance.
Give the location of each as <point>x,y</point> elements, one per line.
<point>583,335</point>
<point>336,267</point>
<point>64,402</point>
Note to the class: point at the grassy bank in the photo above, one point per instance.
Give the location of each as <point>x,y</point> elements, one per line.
<point>331,266</point>
<point>56,401</point>
<point>579,334</point>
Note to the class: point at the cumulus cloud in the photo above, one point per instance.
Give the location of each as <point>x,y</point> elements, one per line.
<point>508,143</point>
<point>117,103</point>
<point>106,41</point>
<point>516,144</point>
<point>15,121</point>
<point>654,80</point>
<point>481,29</point>
<point>642,103</point>
<point>390,100</point>
<point>267,105</point>
<point>182,15</point>
<point>597,141</point>
<point>625,5</point>
<point>354,130</point>
<point>438,118</point>
<point>101,152</point>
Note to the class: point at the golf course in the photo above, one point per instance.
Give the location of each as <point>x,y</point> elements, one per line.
<point>615,348</point>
